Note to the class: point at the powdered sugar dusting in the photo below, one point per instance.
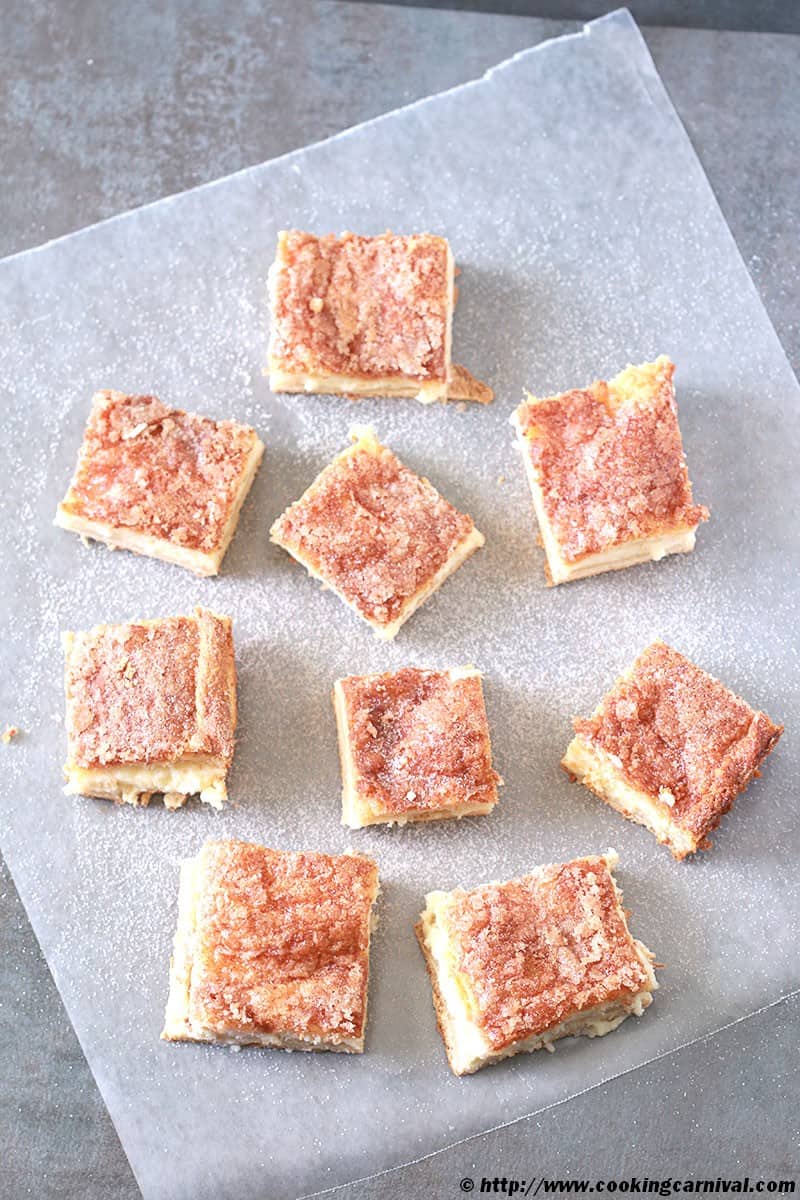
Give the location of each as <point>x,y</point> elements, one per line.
<point>588,237</point>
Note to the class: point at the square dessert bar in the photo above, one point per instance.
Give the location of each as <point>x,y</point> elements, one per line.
<point>159,481</point>
<point>375,533</point>
<point>607,473</point>
<point>515,966</point>
<point>151,708</point>
<point>414,746</point>
<point>365,316</point>
<point>272,949</point>
<point>671,748</point>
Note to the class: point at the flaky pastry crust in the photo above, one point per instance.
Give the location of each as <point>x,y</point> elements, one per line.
<point>146,471</point>
<point>363,307</point>
<point>151,691</point>
<point>609,461</point>
<point>537,949</point>
<point>276,950</point>
<point>681,737</point>
<point>418,742</point>
<point>375,532</point>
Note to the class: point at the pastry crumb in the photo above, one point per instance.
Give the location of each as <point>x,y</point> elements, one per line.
<point>9,733</point>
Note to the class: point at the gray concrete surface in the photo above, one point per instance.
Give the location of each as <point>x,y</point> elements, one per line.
<point>104,107</point>
<point>761,16</point>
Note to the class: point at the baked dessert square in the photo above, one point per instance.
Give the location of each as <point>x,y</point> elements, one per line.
<point>515,966</point>
<point>607,473</point>
<point>272,949</point>
<point>378,535</point>
<point>159,481</point>
<point>414,746</point>
<point>671,748</point>
<point>365,316</point>
<point>151,709</point>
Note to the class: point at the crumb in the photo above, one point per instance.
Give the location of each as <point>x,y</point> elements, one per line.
<point>9,733</point>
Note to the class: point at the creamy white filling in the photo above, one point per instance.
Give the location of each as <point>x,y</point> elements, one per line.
<point>394,386</point>
<point>130,783</point>
<point>596,769</point>
<point>467,1045</point>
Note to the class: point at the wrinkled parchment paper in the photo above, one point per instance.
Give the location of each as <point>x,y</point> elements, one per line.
<point>588,237</point>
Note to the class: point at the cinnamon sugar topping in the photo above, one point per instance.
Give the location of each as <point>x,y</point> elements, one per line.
<point>281,942</point>
<point>609,461</point>
<point>367,307</point>
<point>536,950</point>
<point>419,740</point>
<point>151,691</point>
<point>159,471</point>
<point>373,530</point>
<point>681,737</point>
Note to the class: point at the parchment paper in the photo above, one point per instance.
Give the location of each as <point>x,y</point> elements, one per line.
<point>588,237</point>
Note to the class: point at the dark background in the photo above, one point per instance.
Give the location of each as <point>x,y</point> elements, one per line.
<point>765,16</point>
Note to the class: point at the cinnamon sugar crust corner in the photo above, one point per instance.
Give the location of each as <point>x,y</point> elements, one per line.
<point>365,316</point>
<point>670,747</point>
<point>515,966</point>
<point>151,709</point>
<point>272,949</point>
<point>159,481</point>
<point>379,536</point>
<point>414,746</point>
<point>607,473</point>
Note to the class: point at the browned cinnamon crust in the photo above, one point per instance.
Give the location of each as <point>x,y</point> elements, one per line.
<point>148,470</point>
<point>680,737</point>
<point>364,307</point>
<point>273,948</point>
<point>379,535</point>
<point>151,691</point>
<point>540,948</point>
<point>515,966</point>
<point>416,744</point>
<point>609,462</point>
<point>464,386</point>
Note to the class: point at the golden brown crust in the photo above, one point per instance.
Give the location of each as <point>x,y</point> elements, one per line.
<point>419,741</point>
<point>158,471</point>
<point>464,386</point>
<point>541,948</point>
<point>281,942</point>
<point>151,691</point>
<point>373,530</point>
<point>675,730</point>
<point>609,461</point>
<point>366,307</point>
<point>216,685</point>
